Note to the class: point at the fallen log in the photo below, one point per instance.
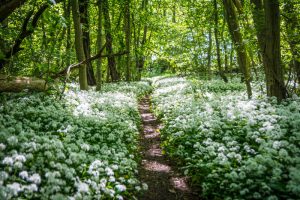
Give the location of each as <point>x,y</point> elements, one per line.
<point>19,84</point>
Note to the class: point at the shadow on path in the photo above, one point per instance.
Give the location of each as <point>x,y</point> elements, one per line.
<point>163,180</point>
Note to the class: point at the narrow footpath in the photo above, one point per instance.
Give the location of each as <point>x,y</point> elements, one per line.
<point>164,181</point>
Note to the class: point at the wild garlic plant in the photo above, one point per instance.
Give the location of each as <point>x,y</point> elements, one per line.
<point>231,147</point>
<point>83,147</point>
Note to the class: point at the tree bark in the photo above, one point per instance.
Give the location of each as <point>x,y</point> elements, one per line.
<point>141,58</point>
<point>209,53</point>
<point>99,45</point>
<point>127,37</point>
<point>79,45</point>
<point>109,39</point>
<point>7,7</point>
<point>274,72</point>
<point>174,13</point>
<point>18,84</point>
<point>84,20</point>
<point>216,31</point>
<point>67,13</point>
<point>234,29</point>
<point>25,32</point>
<point>259,24</point>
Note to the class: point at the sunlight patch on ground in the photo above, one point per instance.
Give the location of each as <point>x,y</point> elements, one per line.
<point>155,166</point>
<point>180,183</point>
<point>155,151</point>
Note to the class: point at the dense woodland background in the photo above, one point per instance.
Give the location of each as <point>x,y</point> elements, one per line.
<point>123,40</point>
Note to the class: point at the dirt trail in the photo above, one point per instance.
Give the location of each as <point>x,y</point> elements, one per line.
<point>163,180</point>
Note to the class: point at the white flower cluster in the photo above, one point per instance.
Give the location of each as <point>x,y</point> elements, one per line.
<point>82,147</point>
<point>233,147</point>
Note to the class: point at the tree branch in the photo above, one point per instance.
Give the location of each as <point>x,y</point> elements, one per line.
<point>68,69</point>
<point>25,32</point>
<point>8,7</point>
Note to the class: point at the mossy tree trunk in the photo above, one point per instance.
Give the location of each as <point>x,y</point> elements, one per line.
<point>84,20</point>
<point>79,45</point>
<point>99,45</point>
<point>109,42</point>
<point>216,31</point>
<point>127,29</point>
<point>272,55</point>
<point>234,29</point>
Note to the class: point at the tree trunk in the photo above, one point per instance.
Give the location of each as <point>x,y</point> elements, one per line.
<point>174,13</point>
<point>292,29</point>
<point>140,57</point>
<point>99,45</point>
<point>127,37</point>
<point>216,31</point>
<point>18,84</point>
<point>209,53</point>
<point>107,26</point>
<point>234,29</point>
<point>259,23</point>
<point>84,20</point>
<point>67,12</point>
<point>79,45</point>
<point>274,73</point>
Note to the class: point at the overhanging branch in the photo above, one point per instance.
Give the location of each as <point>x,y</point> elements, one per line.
<point>68,69</point>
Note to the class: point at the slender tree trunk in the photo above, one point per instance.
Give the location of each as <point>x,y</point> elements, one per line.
<point>141,58</point>
<point>174,13</point>
<point>259,23</point>
<point>67,12</point>
<point>216,30</point>
<point>127,37</point>
<point>234,29</point>
<point>274,72</point>
<point>209,53</point>
<point>84,20</point>
<point>292,29</point>
<point>109,40</point>
<point>79,46</point>
<point>99,45</point>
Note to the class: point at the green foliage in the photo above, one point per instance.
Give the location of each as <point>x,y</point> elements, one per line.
<point>83,146</point>
<point>233,148</point>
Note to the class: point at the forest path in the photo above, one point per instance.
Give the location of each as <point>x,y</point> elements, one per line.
<point>164,181</point>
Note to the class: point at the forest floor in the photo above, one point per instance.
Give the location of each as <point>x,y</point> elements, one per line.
<point>159,172</point>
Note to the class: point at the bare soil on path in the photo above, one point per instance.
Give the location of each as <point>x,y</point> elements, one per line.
<point>164,181</point>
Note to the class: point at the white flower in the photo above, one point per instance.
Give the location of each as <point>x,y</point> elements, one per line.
<point>145,186</point>
<point>12,140</point>
<point>85,147</point>
<point>23,174</point>
<point>20,158</point>
<point>138,188</point>
<point>31,187</point>
<point>111,192</point>
<point>276,144</point>
<point>115,167</point>
<point>109,171</point>
<point>15,187</point>
<point>8,161</point>
<point>82,187</point>
<point>2,146</point>
<point>119,197</point>
<point>18,165</point>
<point>35,178</point>
<point>112,179</point>
<point>120,188</point>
